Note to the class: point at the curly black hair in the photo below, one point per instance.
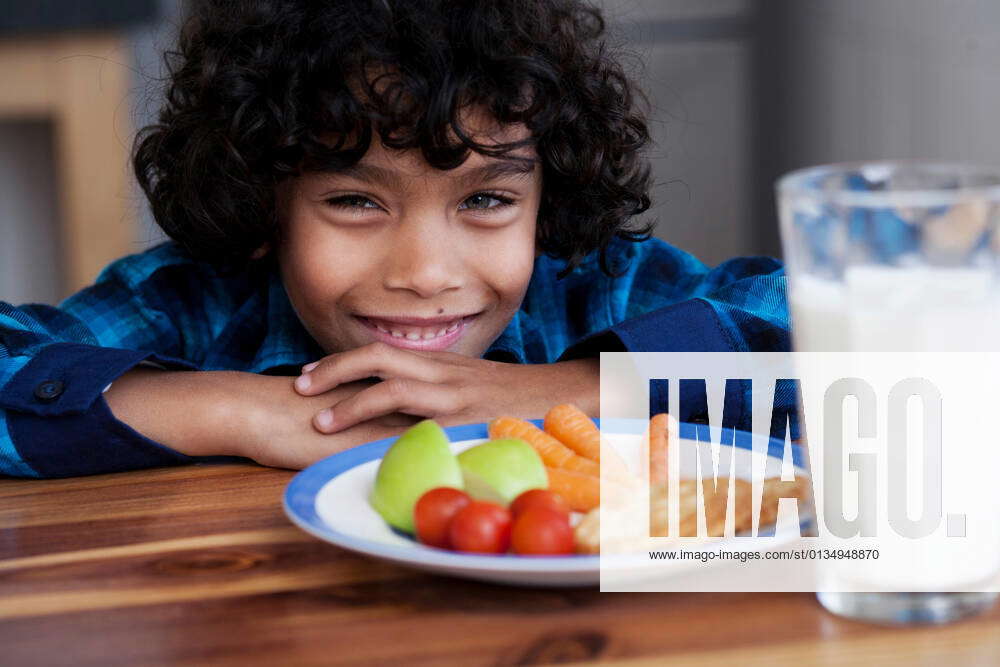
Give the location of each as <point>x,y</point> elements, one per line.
<point>260,91</point>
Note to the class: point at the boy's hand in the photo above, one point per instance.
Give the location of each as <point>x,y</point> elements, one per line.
<point>452,388</point>
<point>281,435</point>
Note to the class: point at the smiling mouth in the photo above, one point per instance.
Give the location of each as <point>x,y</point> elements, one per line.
<point>416,331</point>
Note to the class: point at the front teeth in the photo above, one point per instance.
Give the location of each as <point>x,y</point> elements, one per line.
<point>429,335</point>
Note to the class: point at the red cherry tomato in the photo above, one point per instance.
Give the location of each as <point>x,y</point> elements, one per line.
<point>542,531</point>
<point>538,498</point>
<point>480,527</point>
<point>434,511</point>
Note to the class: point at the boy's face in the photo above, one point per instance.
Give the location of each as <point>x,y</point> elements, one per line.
<point>394,250</point>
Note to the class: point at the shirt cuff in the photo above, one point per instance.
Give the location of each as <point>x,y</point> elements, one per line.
<point>91,443</point>
<point>59,422</point>
<point>688,326</point>
<point>67,378</point>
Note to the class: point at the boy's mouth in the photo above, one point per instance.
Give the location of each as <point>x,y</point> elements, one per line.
<point>437,333</point>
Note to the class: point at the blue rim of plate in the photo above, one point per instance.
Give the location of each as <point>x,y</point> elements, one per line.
<point>299,503</point>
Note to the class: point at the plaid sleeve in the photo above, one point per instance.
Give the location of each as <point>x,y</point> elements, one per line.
<point>748,297</point>
<point>678,304</point>
<point>674,302</point>
<point>663,299</point>
<point>55,364</point>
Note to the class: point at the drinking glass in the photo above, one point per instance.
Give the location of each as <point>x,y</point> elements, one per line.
<point>894,256</point>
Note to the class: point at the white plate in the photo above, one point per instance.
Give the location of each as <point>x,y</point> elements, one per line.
<point>330,501</point>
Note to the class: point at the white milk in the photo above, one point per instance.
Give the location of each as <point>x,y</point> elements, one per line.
<point>901,309</point>
<point>910,309</point>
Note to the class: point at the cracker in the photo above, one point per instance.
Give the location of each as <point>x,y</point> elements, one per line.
<point>588,531</point>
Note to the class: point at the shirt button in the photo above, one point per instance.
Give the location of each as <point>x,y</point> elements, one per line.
<point>49,390</point>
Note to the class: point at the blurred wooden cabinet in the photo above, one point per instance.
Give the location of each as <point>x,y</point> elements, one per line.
<point>81,84</point>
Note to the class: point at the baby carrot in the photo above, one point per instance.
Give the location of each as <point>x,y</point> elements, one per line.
<point>552,452</point>
<point>580,491</point>
<point>658,448</point>
<point>568,424</point>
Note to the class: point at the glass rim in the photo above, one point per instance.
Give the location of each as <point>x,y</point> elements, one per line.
<point>798,183</point>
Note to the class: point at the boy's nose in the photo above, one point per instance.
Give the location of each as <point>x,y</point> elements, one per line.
<point>423,261</point>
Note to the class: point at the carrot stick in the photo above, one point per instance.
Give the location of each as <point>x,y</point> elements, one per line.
<point>568,424</point>
<point>552,452</point>
<point>658,448</point>
<point>581,492</point>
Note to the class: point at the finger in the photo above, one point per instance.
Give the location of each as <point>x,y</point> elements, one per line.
<point>412,397</point>
<point>375,360</point>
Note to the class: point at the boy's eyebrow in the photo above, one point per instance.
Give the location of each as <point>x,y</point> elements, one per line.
<point>498,168</point>
<point>370,173</point>
<point>495,168</point>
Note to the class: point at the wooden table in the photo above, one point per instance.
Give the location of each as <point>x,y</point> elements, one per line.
<point>199,566</point>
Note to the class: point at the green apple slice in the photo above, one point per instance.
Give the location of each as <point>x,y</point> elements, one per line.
<point>500,470</point>
<point>420,460</point>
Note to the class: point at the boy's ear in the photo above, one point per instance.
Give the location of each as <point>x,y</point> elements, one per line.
<point>261,252</point>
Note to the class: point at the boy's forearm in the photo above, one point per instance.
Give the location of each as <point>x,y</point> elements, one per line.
<point>232,413</point>
<point>198,413</point>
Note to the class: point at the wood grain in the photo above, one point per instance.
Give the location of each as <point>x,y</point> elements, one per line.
<point>974,643</point>
<point>280,535</point>
<point>231,493</point>
<point>129,569</point>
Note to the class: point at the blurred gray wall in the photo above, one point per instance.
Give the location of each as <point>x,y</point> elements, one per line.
<point>697,72</point>
<point>866,79</point>
<point>149,44</point>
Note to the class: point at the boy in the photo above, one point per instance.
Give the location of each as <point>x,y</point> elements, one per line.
<point>418,209</point>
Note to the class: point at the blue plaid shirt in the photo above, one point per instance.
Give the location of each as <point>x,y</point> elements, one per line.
<point>163,307</point>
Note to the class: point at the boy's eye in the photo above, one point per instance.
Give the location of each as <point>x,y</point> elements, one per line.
<point>352,201</point>
<point>484,201</point>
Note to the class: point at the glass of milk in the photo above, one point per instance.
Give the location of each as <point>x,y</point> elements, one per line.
<point>895,257</point>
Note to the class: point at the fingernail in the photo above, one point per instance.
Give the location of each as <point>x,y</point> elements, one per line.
<point>324,419</point>
<point>309,367</point>
<point>302,382</point>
